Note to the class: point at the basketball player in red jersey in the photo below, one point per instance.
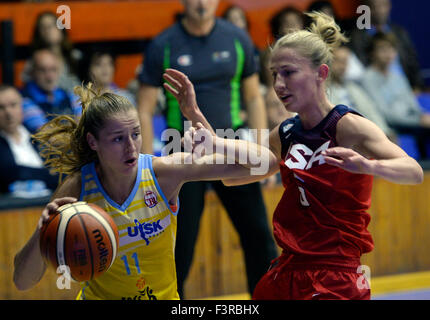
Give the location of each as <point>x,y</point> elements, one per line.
<point>328,156</point>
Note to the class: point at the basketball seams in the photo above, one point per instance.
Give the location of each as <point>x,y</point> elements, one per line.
<point>61,234</point>
<point>88,242</point>
<point>58,227</point>
<point>108,229</point>
<point>43,237</point>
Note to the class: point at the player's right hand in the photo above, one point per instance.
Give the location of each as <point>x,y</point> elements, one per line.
<point>52,208</point>
<point>183,90</point>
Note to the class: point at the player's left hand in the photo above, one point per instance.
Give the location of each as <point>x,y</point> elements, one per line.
<point>347,159</point>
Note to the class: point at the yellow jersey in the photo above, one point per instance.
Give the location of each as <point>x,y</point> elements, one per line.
<point>144,268</point>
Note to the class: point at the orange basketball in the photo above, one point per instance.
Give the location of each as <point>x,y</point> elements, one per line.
<point>82,237</point>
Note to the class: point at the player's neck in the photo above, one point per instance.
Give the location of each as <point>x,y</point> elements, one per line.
<point>117,187</point>
<point>313,116</point>
<point>198,28</point>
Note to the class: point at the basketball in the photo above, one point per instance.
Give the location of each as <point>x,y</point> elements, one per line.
<point>81,236</point>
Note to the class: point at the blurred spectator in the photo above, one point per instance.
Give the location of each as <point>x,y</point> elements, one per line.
<point>47,35</point>
<point>347,92</point>
<point>327,8</point>
<point>45,97</point>
<point>21,169</point>
<point>285,20</point>
<point>392,93</point>
<point>354,69</point>
<point>101,71</point>
<point>322,6</point>
<point>237,16</point>
<point>406,61</point>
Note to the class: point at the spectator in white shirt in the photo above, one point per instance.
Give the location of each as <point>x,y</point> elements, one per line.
<point>21,168</point>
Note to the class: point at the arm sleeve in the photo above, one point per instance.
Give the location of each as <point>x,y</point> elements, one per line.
<point>152,67</point>
<point>251,63</point>
<point>33,116</point>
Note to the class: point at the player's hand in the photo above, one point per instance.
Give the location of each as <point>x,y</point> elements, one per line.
<point>183,90</point>
<point>347,159</point>
<point>199,141</point>
<point>52,207</point>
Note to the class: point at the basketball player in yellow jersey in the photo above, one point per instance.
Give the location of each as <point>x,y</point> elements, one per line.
<point>101,156</point>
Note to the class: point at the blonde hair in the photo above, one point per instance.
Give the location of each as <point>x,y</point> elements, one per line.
<point>63,140</point>
<point>317,42</point>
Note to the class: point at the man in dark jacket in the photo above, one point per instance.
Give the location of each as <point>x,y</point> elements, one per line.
<point>20,162</point>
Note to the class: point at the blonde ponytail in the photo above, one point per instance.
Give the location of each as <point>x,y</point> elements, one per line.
<point>316,43</point>
<point>63,140</point>
<point>86,94</point>
<point>326,28</point>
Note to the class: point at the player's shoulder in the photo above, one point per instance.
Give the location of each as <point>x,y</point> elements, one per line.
<point>70,187</point>
<point>352,129</point>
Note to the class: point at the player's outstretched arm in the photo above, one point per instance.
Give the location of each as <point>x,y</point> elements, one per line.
<point>211,158</point>
<point>365,149</point>
<point>182,89</point>
<point>29,266</point>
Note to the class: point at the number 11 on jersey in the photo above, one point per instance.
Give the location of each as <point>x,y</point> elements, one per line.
<point>136,263</point>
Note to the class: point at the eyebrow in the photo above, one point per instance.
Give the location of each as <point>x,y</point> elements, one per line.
<point>283,67</point>
<point>121,130</point>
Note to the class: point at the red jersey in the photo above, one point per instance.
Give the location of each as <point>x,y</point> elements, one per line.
<point>323,210</point>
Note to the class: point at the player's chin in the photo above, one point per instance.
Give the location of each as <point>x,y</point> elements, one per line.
<point>291,105</point>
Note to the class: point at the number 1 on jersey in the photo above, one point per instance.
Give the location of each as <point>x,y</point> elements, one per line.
<point>303,199</point>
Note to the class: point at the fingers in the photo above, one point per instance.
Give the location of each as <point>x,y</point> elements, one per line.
<point>178,79</point>
<point>338,152</point>
<point>334,162</point>
<point>188,139</point>
<point>53,206</point>
<point>176,75</point>
<point>172,90</point>
<point>173,81</point>
<point>336,156</point>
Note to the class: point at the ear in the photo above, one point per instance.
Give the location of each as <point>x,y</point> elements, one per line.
<point>323,71</point>
<point>92,141</point>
